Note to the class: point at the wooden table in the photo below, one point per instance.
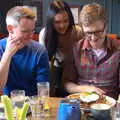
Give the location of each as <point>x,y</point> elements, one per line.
<point>53,103</point>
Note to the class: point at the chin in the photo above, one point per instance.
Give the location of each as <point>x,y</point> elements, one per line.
<point>62,32</point>
<point>25,42</point>
<point>95,47</point>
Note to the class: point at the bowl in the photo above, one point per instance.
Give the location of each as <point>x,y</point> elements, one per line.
<point>101,111</point>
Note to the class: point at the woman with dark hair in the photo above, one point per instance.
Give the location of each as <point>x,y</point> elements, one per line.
<point>58,36</point>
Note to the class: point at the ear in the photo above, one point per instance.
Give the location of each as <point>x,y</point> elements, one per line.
<point>10,28</point>
<point>106,28</point>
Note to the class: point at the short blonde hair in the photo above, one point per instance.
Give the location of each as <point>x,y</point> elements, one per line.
<point>91,13</point>
<point>16,13</point>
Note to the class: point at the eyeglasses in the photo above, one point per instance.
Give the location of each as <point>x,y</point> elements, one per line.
<point>96,33</point>
<point>28,31</point>
<point>31,31</point>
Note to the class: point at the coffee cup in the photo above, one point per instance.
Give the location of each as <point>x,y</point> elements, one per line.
<point>101,111</point>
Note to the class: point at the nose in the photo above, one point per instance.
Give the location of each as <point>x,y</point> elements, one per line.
<point>62,25</point>
<point>29,33</point>
<point>93,36</point>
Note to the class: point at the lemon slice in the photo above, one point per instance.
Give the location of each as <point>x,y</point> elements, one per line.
<point>46,106</point>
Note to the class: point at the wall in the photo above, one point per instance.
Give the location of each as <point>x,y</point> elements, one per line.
<point>113,11</point>
<point>5,5</point>
<point>112,8</point>
<point>115,16</point>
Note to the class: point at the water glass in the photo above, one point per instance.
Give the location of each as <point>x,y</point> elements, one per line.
<point>18,98</point>
<point>43,95</point>
<point>115,113</point>
<point>43,89</point>
<point>36,106</point>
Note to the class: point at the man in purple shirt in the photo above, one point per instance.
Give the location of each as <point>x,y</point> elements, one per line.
<point>95,64</point>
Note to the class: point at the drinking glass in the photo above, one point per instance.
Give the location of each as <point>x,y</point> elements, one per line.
<point>36,106</point>
<point>43,95</point>
<point>115,112</point>
<point>18,98</point>
<point>43,89</point>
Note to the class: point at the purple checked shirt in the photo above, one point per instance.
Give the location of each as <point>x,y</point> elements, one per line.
<point>86,69</point>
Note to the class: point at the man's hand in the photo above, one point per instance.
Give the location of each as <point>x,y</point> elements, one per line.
<point>90,88</point>
<point>13,45</point>
<point>74,88</point>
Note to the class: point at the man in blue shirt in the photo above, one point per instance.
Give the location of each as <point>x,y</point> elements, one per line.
<point>23,61</point>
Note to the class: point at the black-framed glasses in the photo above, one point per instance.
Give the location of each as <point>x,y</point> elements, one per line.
<point>96,33</point>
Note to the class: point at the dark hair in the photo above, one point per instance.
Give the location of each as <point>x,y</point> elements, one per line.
<point>51,36</point>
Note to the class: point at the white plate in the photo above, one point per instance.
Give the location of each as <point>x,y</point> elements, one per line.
<point>85,96</point>
<point>109,100</point>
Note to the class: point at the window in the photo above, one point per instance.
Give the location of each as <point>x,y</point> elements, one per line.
<point>75,11</point>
